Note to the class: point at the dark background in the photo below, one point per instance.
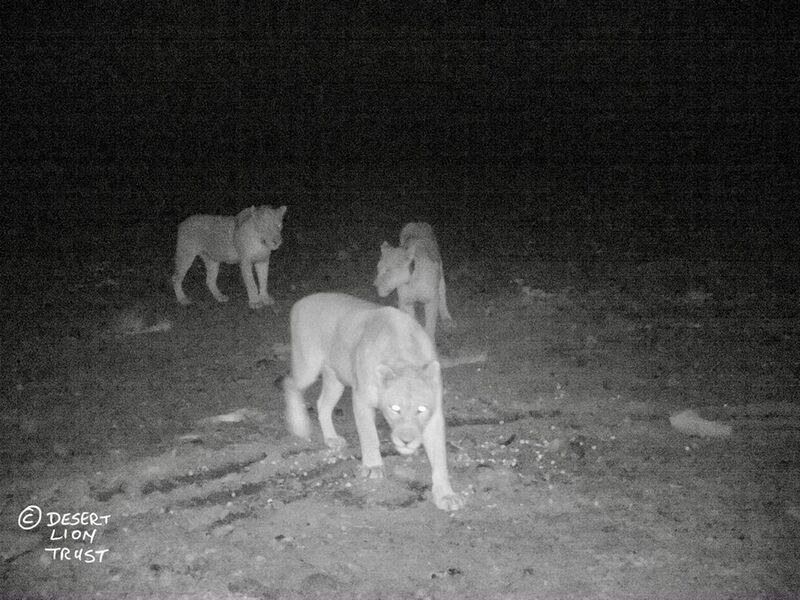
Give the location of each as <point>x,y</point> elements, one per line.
<point>673,121</point>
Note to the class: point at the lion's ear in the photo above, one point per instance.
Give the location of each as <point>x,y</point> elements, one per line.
<point>385,247</point>
<point>243,215</point>
<point>281,211</point>
<point>385,373</point>
<point>433,370</point>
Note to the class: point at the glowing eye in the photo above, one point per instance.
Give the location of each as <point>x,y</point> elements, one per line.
<point>422,409</point>
<point>395,408</point>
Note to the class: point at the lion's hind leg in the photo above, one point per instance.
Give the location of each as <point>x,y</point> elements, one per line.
<point>443,312</point>
<point>305,370</point>
<point>184,257</point>
<point>212,270</point>
<point>431,314</point>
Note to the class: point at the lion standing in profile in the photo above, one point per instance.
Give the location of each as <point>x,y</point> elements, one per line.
<point>247,238</point>
<point>415,271</point>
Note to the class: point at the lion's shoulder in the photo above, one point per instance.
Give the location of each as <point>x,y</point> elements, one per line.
<point>416,230</point>
<point>419,241</point>
<point>260,217</point>
<point>258,230</point>
<point>393,257</point>
<point>245,215</point>
<point>392,336</point>
<point>421,248</point>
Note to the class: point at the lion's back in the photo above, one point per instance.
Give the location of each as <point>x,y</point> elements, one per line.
<point>421,238</point>
<point>211,235</point>
<point>318,316</point>
<point>393,336</point>
<point>416,230</point>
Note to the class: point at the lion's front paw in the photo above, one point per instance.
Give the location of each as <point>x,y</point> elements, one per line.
<point>184,301</point>
<point>448,500</point>
<point>221,298</point>
<point>337,444</point>
<point>372,472</point>
<point>262,302</point>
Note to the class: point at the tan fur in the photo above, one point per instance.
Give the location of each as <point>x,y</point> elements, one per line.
<point>415,271</point>
<point>391,365</point>
<point>247,238</point>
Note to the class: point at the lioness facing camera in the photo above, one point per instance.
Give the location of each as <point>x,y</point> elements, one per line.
<point>390,363</point>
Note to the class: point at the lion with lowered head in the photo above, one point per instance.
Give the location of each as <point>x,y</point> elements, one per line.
<point>390,363</point>
<point>415,270</point>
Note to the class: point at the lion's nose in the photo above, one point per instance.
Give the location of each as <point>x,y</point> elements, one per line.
<point>406,437</point>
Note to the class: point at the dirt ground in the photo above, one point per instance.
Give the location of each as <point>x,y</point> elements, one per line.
<point>167,424</point>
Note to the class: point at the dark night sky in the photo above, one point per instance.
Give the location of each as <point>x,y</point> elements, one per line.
<point>160,107</point>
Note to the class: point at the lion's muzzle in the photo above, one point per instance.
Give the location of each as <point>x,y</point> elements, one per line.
<point>273,244</point>
<point>381,287</point>
<point>406,441</point>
